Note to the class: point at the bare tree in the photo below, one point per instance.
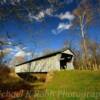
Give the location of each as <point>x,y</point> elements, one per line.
<point>47,51</point>
<point>85,14</point>
<point>93,48</point>
<point>3,52</point>
<point>6,41</point>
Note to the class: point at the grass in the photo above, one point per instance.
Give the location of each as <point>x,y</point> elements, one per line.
<point>60,85</point>
<point>73,85</point>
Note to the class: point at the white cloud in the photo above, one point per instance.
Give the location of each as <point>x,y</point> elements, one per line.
<point>13,2</point>
<point>17,51</point>
<point>67,15</point>
<point>20,53</point>
<point>61,27</point>
<point>7,50</point>
<point>18,48</point>
<point>37,17</point>
<point>64,26</point>
<point>9,43</point>
<point>49,11</point>
<point>29,54</point>
<point>40,15</point>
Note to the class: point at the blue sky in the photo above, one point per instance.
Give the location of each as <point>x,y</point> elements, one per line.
<point>47,30</point>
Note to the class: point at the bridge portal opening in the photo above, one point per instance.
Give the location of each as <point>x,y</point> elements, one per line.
<point>65,58</point>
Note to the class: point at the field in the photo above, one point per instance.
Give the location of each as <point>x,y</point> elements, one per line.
<point>61,85</point>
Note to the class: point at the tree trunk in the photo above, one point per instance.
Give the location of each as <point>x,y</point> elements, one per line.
<point>85,57</point>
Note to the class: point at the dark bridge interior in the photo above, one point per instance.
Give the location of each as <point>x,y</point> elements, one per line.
<point>64,59</point>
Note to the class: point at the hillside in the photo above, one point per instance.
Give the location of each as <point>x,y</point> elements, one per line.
<point>59,85</point>
<point>73,85</point>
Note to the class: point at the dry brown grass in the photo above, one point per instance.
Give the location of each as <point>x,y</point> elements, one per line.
<point>12,83</point>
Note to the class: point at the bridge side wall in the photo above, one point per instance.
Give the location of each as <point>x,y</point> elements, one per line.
<point>44,65</point>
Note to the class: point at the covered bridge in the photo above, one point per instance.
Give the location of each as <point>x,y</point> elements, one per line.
<point>62,59</point>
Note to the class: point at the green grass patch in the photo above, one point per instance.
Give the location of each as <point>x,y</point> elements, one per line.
<point>73,85</point>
